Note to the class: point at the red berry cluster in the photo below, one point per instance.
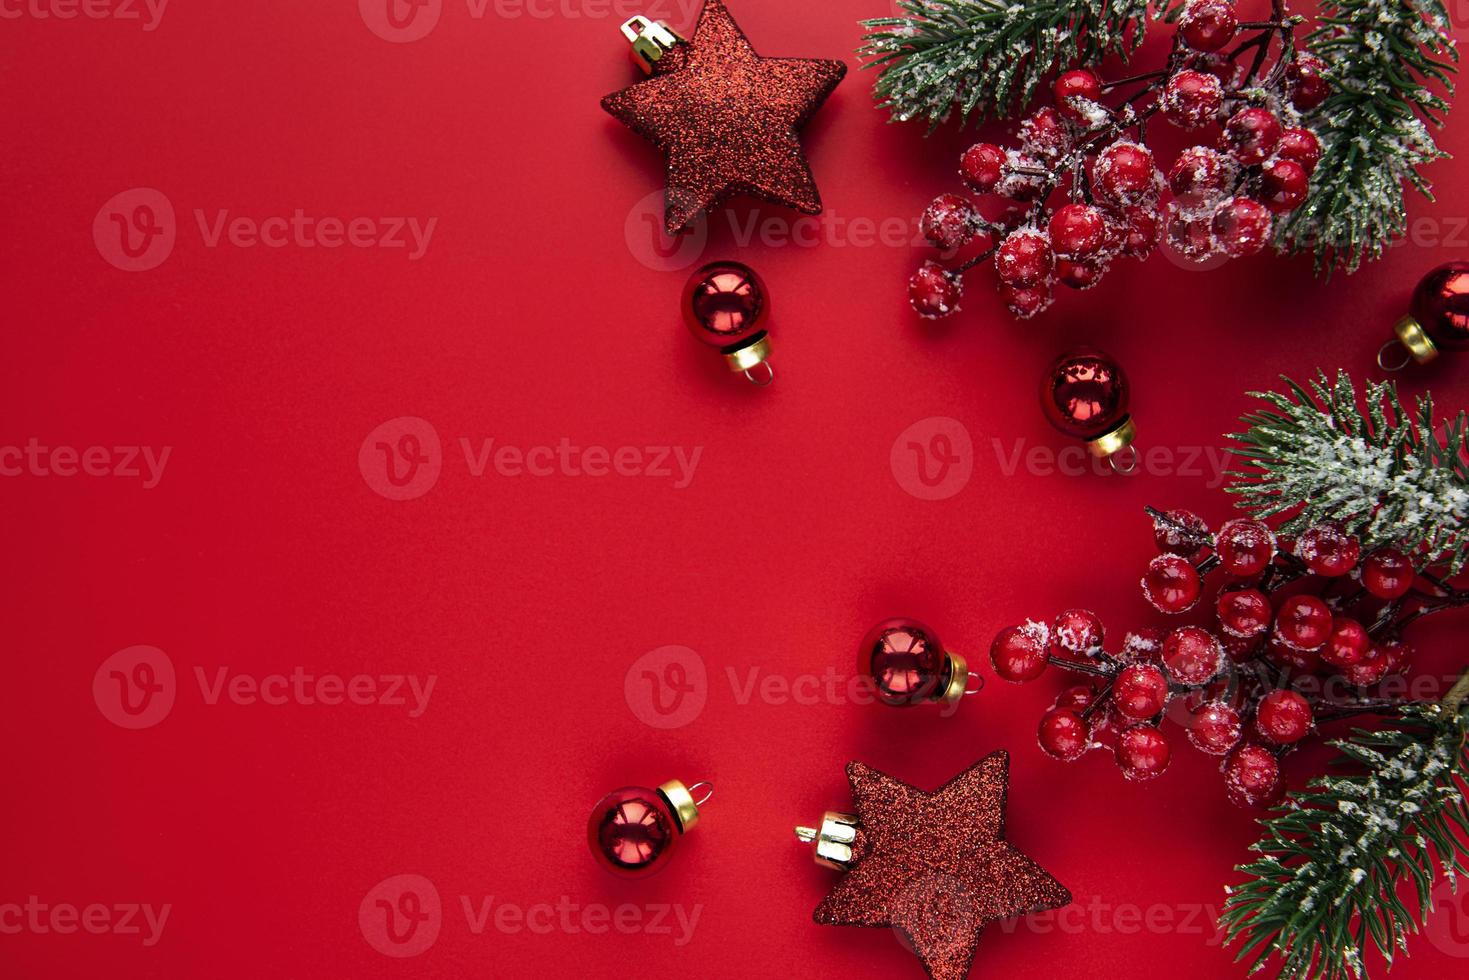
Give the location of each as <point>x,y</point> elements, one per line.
<point>1287,614</point>
<point>1224,198</point>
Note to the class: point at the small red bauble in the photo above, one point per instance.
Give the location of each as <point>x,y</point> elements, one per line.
<point>1303,623</point>
<point>1019,652</point>
<point>1192,98</point>
<point>1348,643</point>
<point>1388,573</point>
<point>726,306</point>
<point>1251,135</point>
<point>934,292</point>
<point>1125,174</point>
<point>1171,584</point>
<point>1215,728</point>
<point>1438,319</point>
<point>1184,534</point>
<point>1078,633</point>
<point>1252,776</point>
<point>982,166</point>
<point>1192,656</point>
<point>1306,77</point>
<point>1245,547</point>
<point>1208,25</point>
<point>1327,549</point>
<point>632,831</point>
<point>1063,734</point>
<point>908,664</point>
<point>1084,394</point>
<point>1024,259</point>
<point>1243,612</point>
<point>1140,691</point>
<point>1142,753</point>
<point>1081,85</point>
<point>1241,226</point>
<point>1283,717</point>
<point>1302,146</point>
<point>949,222</point>
<point>1284,185</point>
<point>1076,230</point>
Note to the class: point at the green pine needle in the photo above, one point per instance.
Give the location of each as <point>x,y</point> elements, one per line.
<point>1325,884</point>
<point>1389,476</point>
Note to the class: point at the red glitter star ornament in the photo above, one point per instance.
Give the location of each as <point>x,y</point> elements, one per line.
<point>725,117</point>
<point>934,866</point>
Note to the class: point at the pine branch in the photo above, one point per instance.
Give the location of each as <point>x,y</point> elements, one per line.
<point>987,57</point>
<point>1384,58</point>
<point>1386,475</point>
<point>1332,857</point>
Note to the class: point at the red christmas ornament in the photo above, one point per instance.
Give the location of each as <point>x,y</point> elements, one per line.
<point>909,665</point>
<point>633,830</point>
<point>1438,318</point>
<point>725,117</point>
<point>934,866</point>
<point>725,306</point>
<point>1085,395</point>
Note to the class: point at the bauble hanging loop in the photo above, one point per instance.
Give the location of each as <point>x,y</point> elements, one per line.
<point>908,665</point>
<point>726,307</point>
<point>1437,320</point>
<point>1085,395</point>
<point>633,830</point>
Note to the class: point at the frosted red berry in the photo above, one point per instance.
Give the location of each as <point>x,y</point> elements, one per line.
<point>1191,232</point>
<point>1239,649</point>
<point>1215,728</point>
<point>1142,753</point>
<point>1298,660</point>
<point>1300,145</point>
<point>1306,79</point>
<point>1208,25</point>
<point>1063,734</point>
<point>1243,612</point>
<point>1125,174</point>
<point>1078,634</point>
<point>1192,656</point>
<point>1080,273</point>
<point>1396,654</point>
<point>1303,623</point>
<point>1024,259</point>
<point>1142,645</point>
<point>1076,230</point>
<point>950,222</point>
<point>933,291</point>
<point>1139,691</point>
<point>1143,230</point>
<point>1327,549</point>
<point>1192,98</point>
<point>1184,533</point>
<point>1284,185</point>
<point>1019,652</point>
<point>1369,670</point>
<point>1077,697</point>
<point>1388,573</point>
<point>1074,90</point>
<point>1044,136</point>
<point>1025,302</point>
<point>982,166</point>
<point>1199,174</point>
<point>1242,226</point>
<point>1252,776</point>
<point>1283,717</point>
<point>1347,644</point>
<point>1251,135</point>
<point>1245,547</point>
<point>1171,584</point>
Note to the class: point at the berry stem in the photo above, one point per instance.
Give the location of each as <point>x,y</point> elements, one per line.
<point>1080,668</point>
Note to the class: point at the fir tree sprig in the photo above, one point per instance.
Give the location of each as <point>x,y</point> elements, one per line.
<point>1320,454</point>
<point>1332,857</point>
<point>1384,59</point>
<point>986,58</point>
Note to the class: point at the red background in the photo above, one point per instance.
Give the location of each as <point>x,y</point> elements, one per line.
<point>533,317</point>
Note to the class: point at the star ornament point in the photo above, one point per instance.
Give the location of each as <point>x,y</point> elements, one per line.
<point>727,119</point>
<point>936,866</point>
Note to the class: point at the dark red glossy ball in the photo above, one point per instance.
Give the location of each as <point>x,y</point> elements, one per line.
<point>1251,135</point>
<point>1085,394</point>
<point>1252,776</point>
<point>1306,78</point>
<point>1302,146</point>
<point>1303,623</point>
<point>1441,306</point>
<point>1171,584</point>
<point>904,659</point>
<point>632,831</point>
<point>1284,185</point>
<point>1215,728</point>
<point>1139,692</point>
<point>1208,25</point>
<point>1063,734</point>
<point>1283,717</point>
<point>1388,573</point>
<point>726,305</point>
<point>1142,753</point>
<point>1080,85</point>
<point>1019,652</point>
<point>934,292</point>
